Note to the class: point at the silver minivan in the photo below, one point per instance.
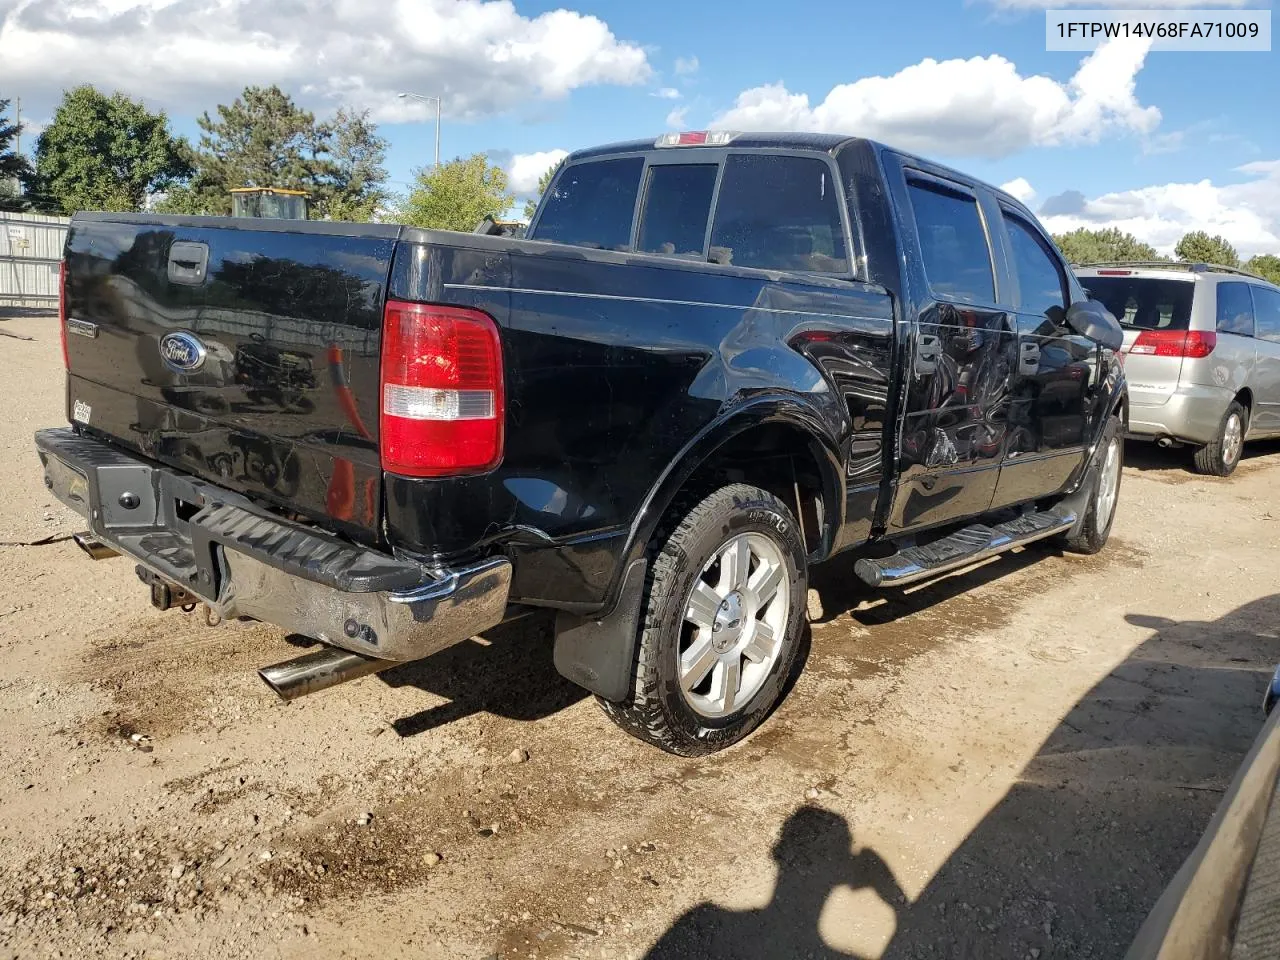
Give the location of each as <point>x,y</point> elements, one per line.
<point>1201,353</point>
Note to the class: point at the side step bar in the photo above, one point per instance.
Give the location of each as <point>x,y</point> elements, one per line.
<point>962,548</point>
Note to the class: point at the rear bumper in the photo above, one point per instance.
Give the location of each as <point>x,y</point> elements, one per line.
<point>244,562</point>
<point>1192,413</point>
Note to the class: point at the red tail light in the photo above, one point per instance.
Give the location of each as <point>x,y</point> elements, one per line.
<point>62,312</point>
<point>1175,343</point>
<point>442,401</point>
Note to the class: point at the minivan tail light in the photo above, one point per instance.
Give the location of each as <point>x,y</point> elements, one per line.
<point>1194,344</point>
<point>442,395</point>
<point>62,312</point>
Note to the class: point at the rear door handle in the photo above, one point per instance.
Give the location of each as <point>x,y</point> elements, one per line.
<point>188,262</point>
<point>1028,358</point>
<point>928,352</point>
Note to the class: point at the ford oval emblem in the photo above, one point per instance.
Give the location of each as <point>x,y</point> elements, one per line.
<point>182,352</point>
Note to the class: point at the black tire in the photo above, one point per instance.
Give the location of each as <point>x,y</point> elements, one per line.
<point>656,710</point>
<point>1092,533</point>
<point>1220,458</point>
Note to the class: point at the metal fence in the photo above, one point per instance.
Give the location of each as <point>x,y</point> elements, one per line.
<point>30,249</point>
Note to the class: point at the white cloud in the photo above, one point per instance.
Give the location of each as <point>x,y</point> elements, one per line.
<point>666,93</point>
<point>481,56</point>
<point>675,119</point>
<point>977,107</point>
<point>1246,213</point>
<point>527,168</point>
<point>1019,189</point>
<point>686,66</point>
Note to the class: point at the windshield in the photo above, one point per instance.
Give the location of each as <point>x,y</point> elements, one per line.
<point>1144,303</point>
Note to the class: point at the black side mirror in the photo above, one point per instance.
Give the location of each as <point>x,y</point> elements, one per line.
<point>1092,320</point>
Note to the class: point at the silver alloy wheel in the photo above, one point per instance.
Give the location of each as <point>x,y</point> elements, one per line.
<point>1232,439</point>
<point>1109,483</point>
<point>739,623</point>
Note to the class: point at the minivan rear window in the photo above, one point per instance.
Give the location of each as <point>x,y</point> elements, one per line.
<point>1144,303</point>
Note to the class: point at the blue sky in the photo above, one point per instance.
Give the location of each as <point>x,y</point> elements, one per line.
<point>1156,142</point>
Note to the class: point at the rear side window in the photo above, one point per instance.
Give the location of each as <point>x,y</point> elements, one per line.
<point>779,213</point>
<point>677,204</point>
<point>957,260</point>
<point>1235,309</point>
<point>592,205</point>
<point>1040,279</point>
<point>1266,309</point>
<point>1144,303</point>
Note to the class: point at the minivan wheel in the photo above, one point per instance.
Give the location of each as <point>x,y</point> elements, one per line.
<point>1100,509</point>
<point>1220,458</point>
<point>721,626</point>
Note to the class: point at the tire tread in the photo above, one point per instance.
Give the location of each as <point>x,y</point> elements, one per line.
<point>1207,460</point>
<point>641,715</point>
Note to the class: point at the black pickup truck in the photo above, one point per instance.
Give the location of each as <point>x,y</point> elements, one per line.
<point>716,360</point>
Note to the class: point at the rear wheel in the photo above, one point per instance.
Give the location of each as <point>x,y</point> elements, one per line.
<point>1220,458</point>
<point>722,624</point>
<point>1100,509</point>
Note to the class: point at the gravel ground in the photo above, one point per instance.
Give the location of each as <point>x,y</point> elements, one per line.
<point>1009,763</point>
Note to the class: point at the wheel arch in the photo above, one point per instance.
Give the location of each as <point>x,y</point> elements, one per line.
<point>596,650</point>
<point>1244,397</point>
<point>746,439</point>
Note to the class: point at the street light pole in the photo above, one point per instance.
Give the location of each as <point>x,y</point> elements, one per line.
<point>437,101</point>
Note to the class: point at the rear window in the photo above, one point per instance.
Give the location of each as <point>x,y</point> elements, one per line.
<point>779,213</point>
<point>677,204</point>
<point>957,260</point>
<point>1266,306</point>
<point>1144,303</point>
<point>1235,309</point>
<point>592,205</point>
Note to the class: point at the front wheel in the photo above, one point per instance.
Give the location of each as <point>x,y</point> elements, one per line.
<point>721,625</point>
<point>1221,457</point>
<point>1100,508</point>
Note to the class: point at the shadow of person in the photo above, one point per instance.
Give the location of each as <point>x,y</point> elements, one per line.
<point>814,857</point>
<point>1071,859</point>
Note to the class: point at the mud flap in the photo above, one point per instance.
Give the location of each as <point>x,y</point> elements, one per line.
<point>600,654</point>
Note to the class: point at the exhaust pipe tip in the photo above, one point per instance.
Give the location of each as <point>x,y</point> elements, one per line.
<point>95,548</point>
<point>319,670</point>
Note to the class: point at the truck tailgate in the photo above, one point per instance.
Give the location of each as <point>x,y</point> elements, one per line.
<point>245,352</point>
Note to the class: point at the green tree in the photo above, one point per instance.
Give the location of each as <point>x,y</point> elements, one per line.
<point>1198,247</point>
<point>544,181</point>
<point>457,196</point>
<point>1265,265</point>
<point>189,199</point>
<point>106,153</point>
<point>262,139</point>
<point>1103,246</point>
<point>15,170</point>
<point>355,187</point>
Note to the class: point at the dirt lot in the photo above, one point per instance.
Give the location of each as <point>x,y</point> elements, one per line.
<point>1007,764</point>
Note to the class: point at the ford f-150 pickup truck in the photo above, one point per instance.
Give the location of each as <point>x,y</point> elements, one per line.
<point>716,360</point>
